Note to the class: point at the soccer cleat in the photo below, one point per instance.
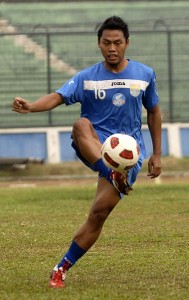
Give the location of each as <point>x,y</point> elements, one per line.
<point>120,182</point>
<point>58,276</point>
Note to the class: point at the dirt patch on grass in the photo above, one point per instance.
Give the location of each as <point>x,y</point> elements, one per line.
<point>76,174</point>
<point>86,182</point>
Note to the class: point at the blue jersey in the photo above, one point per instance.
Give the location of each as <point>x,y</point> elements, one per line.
<point>113,101</point>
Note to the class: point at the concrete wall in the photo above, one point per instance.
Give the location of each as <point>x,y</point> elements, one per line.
<point>54,144</point>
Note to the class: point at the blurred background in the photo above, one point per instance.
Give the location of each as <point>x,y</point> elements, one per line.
<point>43,44</point>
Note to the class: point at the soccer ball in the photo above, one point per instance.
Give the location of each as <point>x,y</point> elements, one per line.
<point>120,152</point>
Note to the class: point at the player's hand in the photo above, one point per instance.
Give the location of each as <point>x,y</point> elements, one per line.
<point>154,166</point>
<point>21,105</point>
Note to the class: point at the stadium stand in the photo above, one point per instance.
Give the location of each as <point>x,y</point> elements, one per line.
<point>44,44</point>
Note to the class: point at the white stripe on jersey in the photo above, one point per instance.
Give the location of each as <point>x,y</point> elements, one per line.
<point>115,83</point>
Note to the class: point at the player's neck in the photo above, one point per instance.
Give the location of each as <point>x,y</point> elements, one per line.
<point>116,68</point>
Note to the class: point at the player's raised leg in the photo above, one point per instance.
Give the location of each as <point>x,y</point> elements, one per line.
<point>86,140</point>
<point>88,146</point>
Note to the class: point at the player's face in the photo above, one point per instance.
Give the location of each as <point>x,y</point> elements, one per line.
<point>113,46</point>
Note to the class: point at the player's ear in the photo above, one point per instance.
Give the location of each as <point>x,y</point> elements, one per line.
<point>127,43</point>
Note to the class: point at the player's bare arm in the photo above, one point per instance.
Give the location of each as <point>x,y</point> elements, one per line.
<point>44,103</point>
<point>154,123</point>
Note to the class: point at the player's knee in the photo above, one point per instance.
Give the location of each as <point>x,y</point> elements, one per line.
<point>81,124</point>
<point>97,217</point>
<point>81,129</point>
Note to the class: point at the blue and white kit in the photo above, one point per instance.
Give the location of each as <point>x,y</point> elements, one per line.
<point>113,101</point>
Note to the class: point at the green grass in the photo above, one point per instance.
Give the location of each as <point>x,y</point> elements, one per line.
<point>141,254</point>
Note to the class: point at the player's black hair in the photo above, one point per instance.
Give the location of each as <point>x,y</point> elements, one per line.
<point>114,22</point>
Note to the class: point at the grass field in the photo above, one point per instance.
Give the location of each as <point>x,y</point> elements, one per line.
<point>141,254</point>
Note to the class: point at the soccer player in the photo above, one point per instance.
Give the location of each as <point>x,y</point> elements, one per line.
<point>111,94</point>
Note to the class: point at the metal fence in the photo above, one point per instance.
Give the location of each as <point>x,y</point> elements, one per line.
<point>35,63</point>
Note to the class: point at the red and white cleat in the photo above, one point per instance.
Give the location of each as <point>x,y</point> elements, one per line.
<point>58,275</point>
<point>57,278</point>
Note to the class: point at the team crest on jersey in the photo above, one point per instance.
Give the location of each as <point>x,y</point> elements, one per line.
<point>134,90</point>
<point>118,99</point>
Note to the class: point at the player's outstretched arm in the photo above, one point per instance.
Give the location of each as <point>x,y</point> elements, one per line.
<point>154,124</point>
<point>44,103</point>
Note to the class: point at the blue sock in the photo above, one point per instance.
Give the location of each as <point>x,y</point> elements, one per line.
<point>74,253</point>
<point>102,169</point>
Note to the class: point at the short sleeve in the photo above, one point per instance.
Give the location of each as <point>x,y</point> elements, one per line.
<point>72,90</point>
<point>150,97</point>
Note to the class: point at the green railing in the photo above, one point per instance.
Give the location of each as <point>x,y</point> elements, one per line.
<point>35,63</point>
